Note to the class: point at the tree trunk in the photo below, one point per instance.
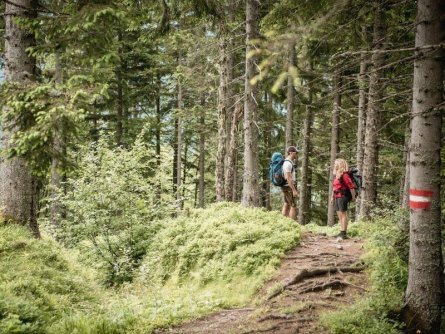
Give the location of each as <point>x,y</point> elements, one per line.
<point>361,124</point>
<point>18,190</point>
<point>424,293</point>
<point>404,184</point>
<point>290,98</point>
<point>251,189</point>
<point>120,97</point>
<point>230,183</point>
<point>201,161</point>
<point>267,135</point>
<point>57,169</point>
<point>175,157</point>
<point>179,149</point>
<point>222,119</point>
<point>303,211</point>
<point>334,143</point>
<point>158,124</point>
<point>375,105</point>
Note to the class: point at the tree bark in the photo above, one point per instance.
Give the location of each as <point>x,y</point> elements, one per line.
<point>375,105</point>
<point>230,177</point>
<point>222,119</point>
<point>251,189</point>
<point>201,183</point>
<point>290,98</point>
<point>404,184</point>
<point>303,211</point>
<point>267,152</point>
<point>120,97</point>
<point>424,293</point>
<point>179,149</point>
<point>18,192</point>
<point>57,169</point>
<point>361,123</point>
<point>334,143</point>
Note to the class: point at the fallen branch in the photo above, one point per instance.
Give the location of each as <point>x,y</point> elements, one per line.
<point>305,273</point>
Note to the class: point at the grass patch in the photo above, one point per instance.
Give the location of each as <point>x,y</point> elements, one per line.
<point>40,284</point>
<point>211,258</point>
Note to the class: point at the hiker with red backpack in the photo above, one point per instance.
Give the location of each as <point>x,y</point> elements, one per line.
<point>343,193</point>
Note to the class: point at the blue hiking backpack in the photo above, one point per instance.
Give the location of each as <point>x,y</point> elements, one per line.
<point>276,175</point>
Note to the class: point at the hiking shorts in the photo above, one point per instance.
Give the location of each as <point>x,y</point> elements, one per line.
<point>289,199</point>
<point>341,203</point>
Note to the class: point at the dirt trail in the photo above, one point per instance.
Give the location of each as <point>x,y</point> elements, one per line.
<point>319,275</point>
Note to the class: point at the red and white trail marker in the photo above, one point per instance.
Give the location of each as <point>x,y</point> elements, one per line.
<point>420,199</point>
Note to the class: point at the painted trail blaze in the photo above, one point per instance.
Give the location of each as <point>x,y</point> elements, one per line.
<point>420,199</point>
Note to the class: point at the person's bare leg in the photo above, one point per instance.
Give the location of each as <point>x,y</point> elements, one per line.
<point>285,210</point>
<point>293,213</point>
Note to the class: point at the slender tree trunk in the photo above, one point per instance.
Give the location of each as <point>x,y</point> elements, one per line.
<point>179,148</point>
<point>120,98</point>
<point>175,157</point>
<point>267,135</point>
<point>404,184</point>
<point>290,97</point>
<point>18,191</point>
<point>334,143</point>
<point>361,124</point>
<point>222,119</point>
<point>251,189</point>
<point>424,293</point>
<point>57,169</point>
<point>201,161</point>
<point>303,211</point>
<point>375,105</point>
<point>158,124</point>
<point>230,178</point>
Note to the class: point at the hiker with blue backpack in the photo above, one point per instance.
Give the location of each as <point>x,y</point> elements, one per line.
<point>343,193</point>
<point>282,174</point>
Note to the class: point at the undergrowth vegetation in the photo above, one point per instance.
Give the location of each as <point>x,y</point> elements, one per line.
<point>194,264</point>
<point>387,259</point>
<point>39,283</point>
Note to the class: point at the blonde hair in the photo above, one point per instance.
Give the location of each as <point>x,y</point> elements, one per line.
<point>340,167</point>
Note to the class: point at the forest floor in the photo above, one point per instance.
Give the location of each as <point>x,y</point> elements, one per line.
<point>321,274</point>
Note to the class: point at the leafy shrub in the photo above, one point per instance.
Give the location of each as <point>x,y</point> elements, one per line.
<point>388,265</point>
<point>112,204</point>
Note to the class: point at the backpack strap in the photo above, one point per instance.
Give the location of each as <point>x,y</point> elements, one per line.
<point>291,163</point>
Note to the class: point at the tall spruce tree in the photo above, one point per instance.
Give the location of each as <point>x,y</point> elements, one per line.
<point>18,188</point>
<point>424,293</point>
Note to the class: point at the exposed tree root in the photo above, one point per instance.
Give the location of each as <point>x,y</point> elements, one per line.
<point>319,287</point>
<point>274,317</point>
<point>305,273</point>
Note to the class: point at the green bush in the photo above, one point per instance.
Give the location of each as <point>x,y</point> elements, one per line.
<point>113,203</point>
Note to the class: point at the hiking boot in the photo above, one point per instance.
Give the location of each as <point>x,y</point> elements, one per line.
<point>342,235</point>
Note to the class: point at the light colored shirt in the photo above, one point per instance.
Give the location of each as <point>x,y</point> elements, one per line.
<point>288,167</point>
